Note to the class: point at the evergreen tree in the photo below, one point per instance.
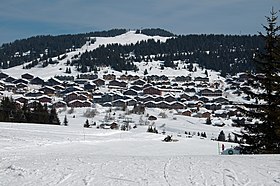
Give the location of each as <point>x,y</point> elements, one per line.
<point>87,125</point>
<point>53,118</point>
<point>65,121</point>
<point>263,136</point>
<point>221,136</point>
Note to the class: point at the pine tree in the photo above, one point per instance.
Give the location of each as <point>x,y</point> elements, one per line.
<point>86,125</point>
<point>263,136</point>
<point>65,121</point>
<point>221,136</point>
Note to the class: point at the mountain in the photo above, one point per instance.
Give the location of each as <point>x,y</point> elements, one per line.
<point>228,54</point>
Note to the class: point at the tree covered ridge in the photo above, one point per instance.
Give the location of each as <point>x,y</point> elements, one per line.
<point>225,53</point>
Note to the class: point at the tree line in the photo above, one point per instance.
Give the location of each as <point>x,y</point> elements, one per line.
<point>10,111</point>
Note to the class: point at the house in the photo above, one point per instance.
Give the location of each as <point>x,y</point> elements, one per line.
<point>183,78</point>
<point>99,82</point>
<point>70,97</point>
<point>169,98</point>
<point>117,83</point>
<point>131,102</point>
<point>89,86</point>
<point>21,99</point>
<point>210,93</point>
<point>48,90</point>
<point>177,105</point>
<point>109,76</point>
<point>37,81</point>
<point>150,104</point>
<point>20,81</point>
<point>87,76</point>
<point>187,113</point>
<point>3,75</point>
<point>221,100</point>
<point>34,93</point>
<point>10,87</point>
<point>205,79</point>
<point>152,91</point>
<point>27,76</point>
<point>135,87</point>
<point>221,113</point>
<point>10,79</point>
<point>212,106</point>
<point>53,81</point>
<point>130,93</point>
<point>114,125</point>
<point>163,105</point>
<point>139,82</point>
<point>44,99</point>
<point>60,104</point>
<point>79,103</point>
<point>119,103</point>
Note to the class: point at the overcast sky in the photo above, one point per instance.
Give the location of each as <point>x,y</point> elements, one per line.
<point>26,18</point>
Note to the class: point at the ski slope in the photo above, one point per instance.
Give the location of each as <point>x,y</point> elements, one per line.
<point>32,154</point>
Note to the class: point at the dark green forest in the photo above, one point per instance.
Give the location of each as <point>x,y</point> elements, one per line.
<point>11,112</point>
<point>228,54</point>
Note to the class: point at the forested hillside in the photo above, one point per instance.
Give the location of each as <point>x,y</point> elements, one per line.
<point>228,54</point>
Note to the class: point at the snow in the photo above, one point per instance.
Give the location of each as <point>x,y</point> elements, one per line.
<point>33,154</point>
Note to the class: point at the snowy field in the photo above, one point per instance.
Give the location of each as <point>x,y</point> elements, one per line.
<point>32,154</point>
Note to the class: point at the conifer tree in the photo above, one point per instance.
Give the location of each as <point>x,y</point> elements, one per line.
<point>263,136</point>
<point>221,136</point>
<point>65,121</point>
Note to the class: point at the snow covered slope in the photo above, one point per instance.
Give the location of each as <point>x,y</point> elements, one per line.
<point>33,154</point>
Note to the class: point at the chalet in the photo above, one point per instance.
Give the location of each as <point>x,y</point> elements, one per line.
<point>131,102</point>
<point>139,82</point>
<point>185,96</point>
<point>163,105</point>
<point>44,99</point>
<point>89,86</point>
<point>135,87</point>
<point>158,99</point>
<point>204,99</point>
<point>10,87</point>
<point>187,113</point>
<point>150,104</point>
<point>27,76</point>
<point>87,76</point>
<point>53,81</point>
<point>99,82</point>
<point>70,97</point>
<point>60,104</point>
<point>147,85</point>
<point>107,98</point>
<point>114,125</point>
<point>20,81</point>
<point>204,79</point>
<point>3,75</point>
<point>151,118</point>
<point>183,78</point>
<point>169,98</point>
<point>21,86</point>
<point>82,97</point>
<point>21,99</point>
<point>189,90</point>
<point>117,83</point>
<point>202,113</point>
<point>48,90</point>
<point>109,76</point>
<point>119,103</point>
<point>71,89</point>
<point>132,78</point>
<point>79,103</point>
<point>221,113</point>
<point>152,91</point>
<point>210,93</point>
<point>37,81</point>
<point>2,88</point>
<point>10,79</point>
<point>194,104</point>
<point>212,106</point>
<point>59,87</point>
<point>221,100</point>
<point>130,93</point>
<point>34,93</point>
<point>147,98</point>
<point>177,105</point>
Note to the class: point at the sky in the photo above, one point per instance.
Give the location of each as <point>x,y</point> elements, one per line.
<point>25,18</point>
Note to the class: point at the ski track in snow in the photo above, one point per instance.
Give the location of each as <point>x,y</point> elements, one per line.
<point>49,155</point>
